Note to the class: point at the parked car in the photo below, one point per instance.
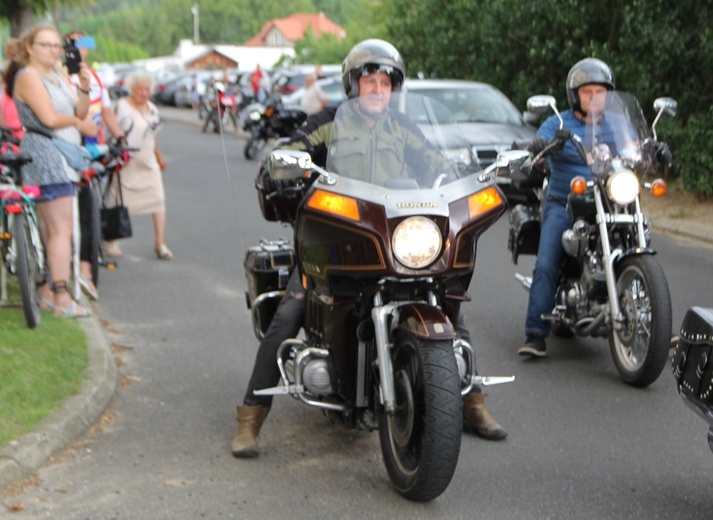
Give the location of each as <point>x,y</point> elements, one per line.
<point>287,81</point>
<point>164,92</point>
<point>489,120</point>
<point>331,86</point>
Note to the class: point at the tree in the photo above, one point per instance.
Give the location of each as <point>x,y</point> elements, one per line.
<point>21,13</point>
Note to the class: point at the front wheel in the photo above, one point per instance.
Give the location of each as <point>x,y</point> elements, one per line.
<point>640,348</point>
<point>28,270</point>
<point>253,147</point>
<point>420,442</point>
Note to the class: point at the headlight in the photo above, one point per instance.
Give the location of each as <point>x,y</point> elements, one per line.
<point>623,187</point>
<point>459,155</point>
<point>255,115</point>
<point>416,242</point>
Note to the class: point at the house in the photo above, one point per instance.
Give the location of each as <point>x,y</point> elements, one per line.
<point>219,56</point>
<point>284,32</point>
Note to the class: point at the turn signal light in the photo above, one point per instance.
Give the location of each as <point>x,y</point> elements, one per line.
<point>578,185</point>
<point>658,188</point>
<point>483,201</point>
<point>335,204</point>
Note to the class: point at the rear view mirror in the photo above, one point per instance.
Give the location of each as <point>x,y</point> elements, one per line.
<point>289,164</point>
<point>540,104</point>
<point>667,104</point>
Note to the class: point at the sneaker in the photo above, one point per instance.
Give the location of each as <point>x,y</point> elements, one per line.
<point>534,346</point>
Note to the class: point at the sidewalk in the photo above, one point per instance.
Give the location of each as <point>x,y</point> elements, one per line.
<point>23,456</point>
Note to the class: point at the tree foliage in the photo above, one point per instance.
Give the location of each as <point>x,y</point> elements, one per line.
<point>525,47</point>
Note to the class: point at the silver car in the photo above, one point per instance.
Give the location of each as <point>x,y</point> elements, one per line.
<point>489,120</point>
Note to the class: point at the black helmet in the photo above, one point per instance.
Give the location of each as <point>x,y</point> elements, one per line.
<point>368,57</point>
<point>587,72</point>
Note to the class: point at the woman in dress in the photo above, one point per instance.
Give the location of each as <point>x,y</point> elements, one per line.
<point>141,179</point>
<point>47,105</point>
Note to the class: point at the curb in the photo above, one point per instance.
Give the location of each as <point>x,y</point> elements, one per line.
<point>23,456</point>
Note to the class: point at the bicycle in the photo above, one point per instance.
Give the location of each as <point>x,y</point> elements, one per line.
<point>108,159</point>
<point>22,246</point>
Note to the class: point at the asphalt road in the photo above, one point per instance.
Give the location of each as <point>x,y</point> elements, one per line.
<point>582,444</point>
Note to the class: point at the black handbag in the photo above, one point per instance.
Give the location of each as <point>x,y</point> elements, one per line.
<point>115,219</point>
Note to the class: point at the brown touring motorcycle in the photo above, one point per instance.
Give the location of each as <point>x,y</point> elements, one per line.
<point>386,257</point>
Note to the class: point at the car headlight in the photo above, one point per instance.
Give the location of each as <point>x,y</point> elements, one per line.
<point>416,242</point>
<point>459,155</point>
<point>255,115</point>
<point>623,187</point>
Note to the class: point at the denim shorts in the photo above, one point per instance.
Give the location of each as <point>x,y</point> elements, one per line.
<point>55,191</point>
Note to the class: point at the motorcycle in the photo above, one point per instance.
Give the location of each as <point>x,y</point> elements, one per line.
<point>386,266</point>
<point>223,108</point>
<point>611,284</point>
<point>271,120</point>
<point>692,366</point>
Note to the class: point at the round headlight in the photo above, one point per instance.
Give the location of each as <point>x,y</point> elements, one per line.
<point>416,242</point>
<point>623,187</point>
<point>255,115</point>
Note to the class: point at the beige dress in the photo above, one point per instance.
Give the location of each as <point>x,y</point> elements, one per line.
<point>141,178</point>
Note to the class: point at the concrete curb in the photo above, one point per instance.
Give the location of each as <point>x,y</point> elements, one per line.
<point>23,456</point>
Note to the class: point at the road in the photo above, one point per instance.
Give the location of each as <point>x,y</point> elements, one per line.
<point>581,443</point>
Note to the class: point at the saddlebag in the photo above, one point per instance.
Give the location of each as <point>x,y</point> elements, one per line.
<point>692,364</point>
<point>267,269</point>
<point>524,232</point>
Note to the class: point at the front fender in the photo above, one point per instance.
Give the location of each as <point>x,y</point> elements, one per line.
<point>425,321</point>
<point>633,251</point>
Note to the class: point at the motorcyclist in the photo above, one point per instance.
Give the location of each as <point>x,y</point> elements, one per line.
<point>587,82</point>
<point>372,70</point>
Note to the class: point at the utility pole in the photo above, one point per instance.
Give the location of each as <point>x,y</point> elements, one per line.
<point>196,32</point>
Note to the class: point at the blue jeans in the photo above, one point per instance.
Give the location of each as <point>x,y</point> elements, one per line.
<point>550,255</point>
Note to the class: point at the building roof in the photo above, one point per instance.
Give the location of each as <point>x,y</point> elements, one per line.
<point>246,57</point>
<point>294,27</point>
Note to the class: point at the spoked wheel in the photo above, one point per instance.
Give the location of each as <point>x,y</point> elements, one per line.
<point>253,146</point>
<point>640,348</point>
<point>29,272</point>
<point>420,442</point>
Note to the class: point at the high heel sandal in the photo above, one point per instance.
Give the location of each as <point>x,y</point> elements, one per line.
<point>73,310</point>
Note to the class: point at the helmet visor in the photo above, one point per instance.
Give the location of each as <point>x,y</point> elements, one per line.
<point>373,68</point>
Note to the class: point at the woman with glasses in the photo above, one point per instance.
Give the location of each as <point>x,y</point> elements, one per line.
<point>141,178</point>
<point>48,107</point>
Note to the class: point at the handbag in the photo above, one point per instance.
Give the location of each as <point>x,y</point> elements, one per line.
<point>115,219</point>
<point>77,156</point>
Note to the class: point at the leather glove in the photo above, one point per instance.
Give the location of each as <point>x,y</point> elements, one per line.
<point>537,145</point>
<point>663,153</point>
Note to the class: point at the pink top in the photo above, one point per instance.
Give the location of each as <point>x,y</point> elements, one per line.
<point>9,112</point>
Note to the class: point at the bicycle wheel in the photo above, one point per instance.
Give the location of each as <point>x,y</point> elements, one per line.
<point>28,270</point>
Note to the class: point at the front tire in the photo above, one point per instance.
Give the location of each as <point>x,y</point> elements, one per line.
<point>28,270</point>
<point>640,348</point>
<point>420,442</point>
<point>253,147</point>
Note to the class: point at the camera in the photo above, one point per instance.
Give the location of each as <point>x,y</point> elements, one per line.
<point>72,58</point>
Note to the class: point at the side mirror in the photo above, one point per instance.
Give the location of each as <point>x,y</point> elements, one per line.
<point>509,163</point>
<point>530,118</point>
<point>667,104</point>
<point>540,104</point>
<point>289,164</point>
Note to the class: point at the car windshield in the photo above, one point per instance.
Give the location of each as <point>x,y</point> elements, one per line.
<point>474,105</point>
<point>374,139</point>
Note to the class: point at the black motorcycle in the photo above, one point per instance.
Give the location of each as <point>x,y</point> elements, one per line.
<point>271,120</point>
<point>611,284</point>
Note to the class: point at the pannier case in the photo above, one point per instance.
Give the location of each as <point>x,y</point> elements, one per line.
<point>524,232</point>
<point>267,269</point>
<point>692,364</point>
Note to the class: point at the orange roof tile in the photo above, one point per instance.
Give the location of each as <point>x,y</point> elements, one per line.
<point>294,27</point>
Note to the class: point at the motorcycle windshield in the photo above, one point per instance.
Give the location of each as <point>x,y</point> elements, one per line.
<point>617,130</point>
<point>400,141</point>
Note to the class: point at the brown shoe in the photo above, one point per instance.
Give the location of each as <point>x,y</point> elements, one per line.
<point>250,419</point>
<point>477,419</point>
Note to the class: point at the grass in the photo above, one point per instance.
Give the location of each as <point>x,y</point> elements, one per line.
<point>39,368</point>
